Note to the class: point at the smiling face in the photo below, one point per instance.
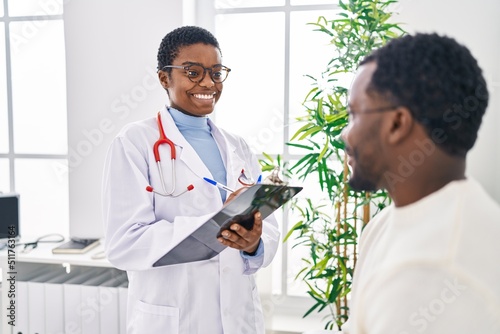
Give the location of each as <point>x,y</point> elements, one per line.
<point>362,135</point>
<point>195,99</point>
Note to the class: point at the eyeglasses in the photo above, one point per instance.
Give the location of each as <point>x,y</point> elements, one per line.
<point>196,72</point>
<point>370,111</point>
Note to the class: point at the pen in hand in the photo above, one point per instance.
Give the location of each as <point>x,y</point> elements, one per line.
<point>217,184</point>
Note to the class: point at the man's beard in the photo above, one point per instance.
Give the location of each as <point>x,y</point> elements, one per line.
<point>359,183</point>
<point>361,179</point>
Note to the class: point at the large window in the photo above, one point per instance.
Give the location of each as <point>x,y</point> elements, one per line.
<point>33,129</point>
<point>270,48</point>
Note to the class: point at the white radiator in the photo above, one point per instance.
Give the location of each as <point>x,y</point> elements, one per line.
<point>83,301</point>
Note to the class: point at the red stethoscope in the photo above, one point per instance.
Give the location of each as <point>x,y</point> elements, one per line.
<point>164,140</point>
<point>243,178</point>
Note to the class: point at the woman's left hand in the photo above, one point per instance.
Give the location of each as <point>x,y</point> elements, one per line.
<point>240,238</point>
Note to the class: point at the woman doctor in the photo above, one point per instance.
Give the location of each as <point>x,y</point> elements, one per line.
<point>213,296</point>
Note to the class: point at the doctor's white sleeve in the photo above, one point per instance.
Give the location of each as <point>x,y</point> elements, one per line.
<point>267,247</point>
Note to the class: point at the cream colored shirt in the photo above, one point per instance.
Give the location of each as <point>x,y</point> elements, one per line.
<point>430,267</point>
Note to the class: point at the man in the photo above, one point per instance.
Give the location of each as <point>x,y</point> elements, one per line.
<point>429,262</point>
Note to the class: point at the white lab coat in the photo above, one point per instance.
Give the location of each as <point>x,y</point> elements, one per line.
<point>211,297</point>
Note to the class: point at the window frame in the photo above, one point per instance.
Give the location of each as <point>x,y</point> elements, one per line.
<point>11,156</point>
<point>285,307</point>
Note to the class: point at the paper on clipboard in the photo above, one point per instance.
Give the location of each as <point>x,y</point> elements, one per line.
<point>202,244</point>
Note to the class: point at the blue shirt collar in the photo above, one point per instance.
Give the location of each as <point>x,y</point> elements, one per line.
<point>186,120</point>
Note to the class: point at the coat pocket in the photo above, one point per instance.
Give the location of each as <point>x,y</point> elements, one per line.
<point>155,319</point>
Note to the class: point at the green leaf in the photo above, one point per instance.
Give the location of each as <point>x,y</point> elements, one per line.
<point>310,148</point>
<point>268,157</point>
<point>293,229</point>
<point>302,129</point>
<point>323,151</point>
<point>315,306</point>
<point>311,131</point>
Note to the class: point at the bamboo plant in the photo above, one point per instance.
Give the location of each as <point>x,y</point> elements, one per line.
<point>329,228</point>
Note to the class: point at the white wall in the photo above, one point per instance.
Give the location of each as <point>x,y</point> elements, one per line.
<point>111,77</point>
<point>475,24</point>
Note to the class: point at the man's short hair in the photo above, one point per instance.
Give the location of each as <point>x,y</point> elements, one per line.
<point>439,81</point>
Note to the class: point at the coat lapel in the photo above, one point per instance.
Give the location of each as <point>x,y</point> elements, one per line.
<point>234,163</point>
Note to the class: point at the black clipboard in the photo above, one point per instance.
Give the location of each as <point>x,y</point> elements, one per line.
<point>265,198</point>
<point>202,244</point>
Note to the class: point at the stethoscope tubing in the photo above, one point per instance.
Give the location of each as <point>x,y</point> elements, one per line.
<point>173,156</point>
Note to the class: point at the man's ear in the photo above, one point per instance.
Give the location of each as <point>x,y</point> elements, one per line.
<point>401,125</point>
<point>164,79</point>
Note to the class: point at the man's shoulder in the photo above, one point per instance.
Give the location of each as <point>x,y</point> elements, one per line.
<point>378,220</point>
<point>476,195</point>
